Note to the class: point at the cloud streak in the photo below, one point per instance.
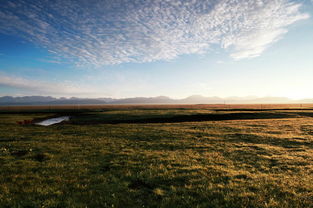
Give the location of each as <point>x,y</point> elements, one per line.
<point>97,33</point>
<point>42,87</point>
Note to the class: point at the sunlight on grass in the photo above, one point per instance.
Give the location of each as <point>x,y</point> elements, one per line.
<point>227,163</point>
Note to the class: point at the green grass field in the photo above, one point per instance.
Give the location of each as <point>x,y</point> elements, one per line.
<point>158,158</point>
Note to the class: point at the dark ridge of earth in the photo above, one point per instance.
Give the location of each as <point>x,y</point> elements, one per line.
<point>188,118</point>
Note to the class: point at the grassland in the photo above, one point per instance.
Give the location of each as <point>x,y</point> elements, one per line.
<point>158,157</point>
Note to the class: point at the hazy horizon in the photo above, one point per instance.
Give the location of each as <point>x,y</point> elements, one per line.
<point>123,49</point>
<point>194,99</point>
<point>174,98</point>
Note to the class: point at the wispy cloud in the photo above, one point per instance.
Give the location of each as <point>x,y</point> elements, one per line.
<point>42,87</point>
<point>104,32</point>
<point>53,61</point>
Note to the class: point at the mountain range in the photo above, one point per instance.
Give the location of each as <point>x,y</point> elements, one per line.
<point>194,99</point>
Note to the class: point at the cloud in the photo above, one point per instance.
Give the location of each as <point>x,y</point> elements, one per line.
<point>42,87</point>
<point>105,32</point>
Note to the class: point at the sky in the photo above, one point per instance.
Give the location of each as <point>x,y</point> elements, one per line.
<point>147,48</point>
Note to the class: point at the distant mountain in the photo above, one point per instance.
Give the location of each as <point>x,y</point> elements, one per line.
<point>199,99</point>
<point>42,100</point>
<point>26,99</point>
<point>194,99</point>
<point>144,100</point>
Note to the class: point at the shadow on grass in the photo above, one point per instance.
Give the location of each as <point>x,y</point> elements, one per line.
<point>14,139</point>
<point>255,139</point>
<point>89,119</point>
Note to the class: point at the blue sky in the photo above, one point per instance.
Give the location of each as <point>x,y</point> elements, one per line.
<point>93,48</point>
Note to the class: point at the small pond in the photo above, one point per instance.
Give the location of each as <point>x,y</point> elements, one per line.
<point>52,121</point>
